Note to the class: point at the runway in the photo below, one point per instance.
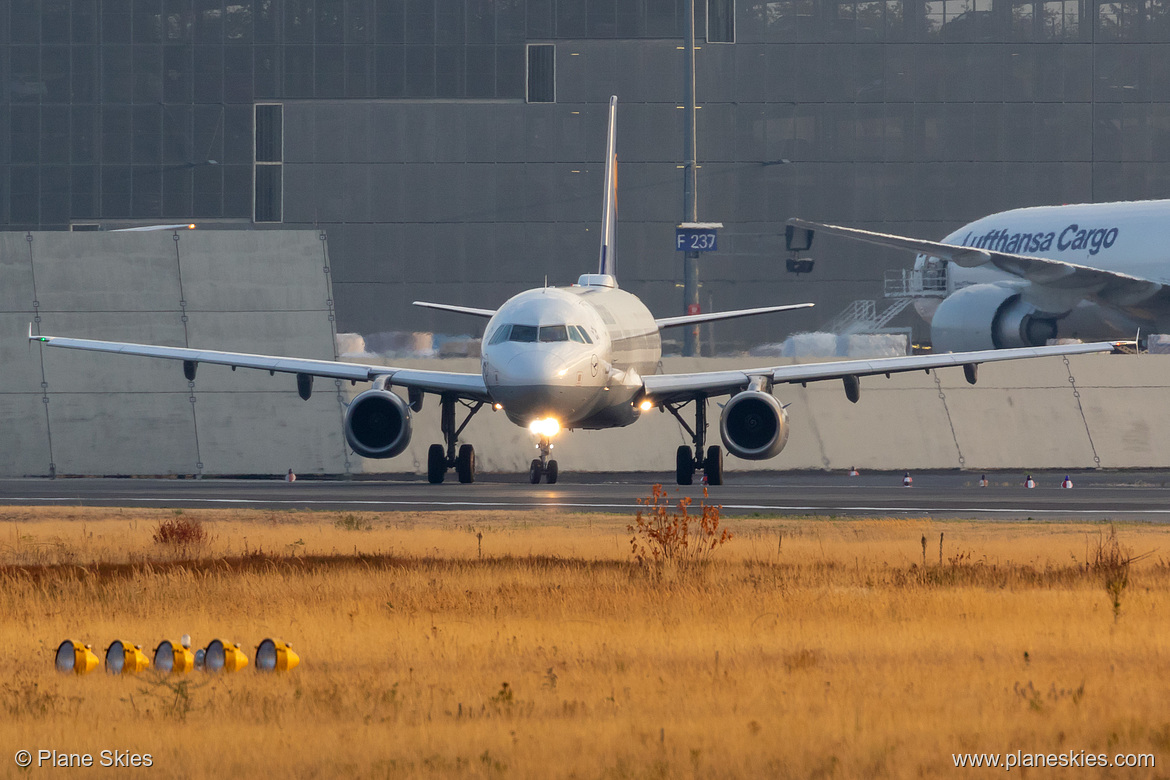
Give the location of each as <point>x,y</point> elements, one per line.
<point>1136,496</point>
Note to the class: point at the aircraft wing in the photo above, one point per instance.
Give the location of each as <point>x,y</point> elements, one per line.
<point>459,309</point>
<point>470,386</point>
<point>693,319</point>
<point>1109,286</point>
<point>662,388</point>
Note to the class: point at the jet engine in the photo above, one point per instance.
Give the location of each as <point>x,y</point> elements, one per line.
<point>377,424</point>
<point>990,316</point>
<point>754,425</point>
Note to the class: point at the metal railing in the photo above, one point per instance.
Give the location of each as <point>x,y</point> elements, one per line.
<point>916,283</point>
<point>863,317</point>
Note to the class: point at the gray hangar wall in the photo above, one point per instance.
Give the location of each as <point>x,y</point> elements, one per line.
<point>70,412</point>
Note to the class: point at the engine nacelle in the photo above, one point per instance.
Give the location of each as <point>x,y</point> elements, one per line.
<point>377,424</point>
<point>990,316</point>
<point>754,425</point>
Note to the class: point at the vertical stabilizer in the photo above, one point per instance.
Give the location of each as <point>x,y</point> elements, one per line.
<point>608,261</point>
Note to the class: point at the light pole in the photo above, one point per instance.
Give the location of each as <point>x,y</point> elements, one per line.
<point>690,186</point>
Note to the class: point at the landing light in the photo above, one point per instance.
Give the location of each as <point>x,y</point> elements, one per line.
<point>497,407</point>
<point>75,657</point>
<point>646,405</point>
<point>272,655</point>
<point>547,427</point>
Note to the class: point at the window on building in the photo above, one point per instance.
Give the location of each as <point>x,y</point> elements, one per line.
<point>542,82</point>
<point>268,171</point>
<point>721,21</point>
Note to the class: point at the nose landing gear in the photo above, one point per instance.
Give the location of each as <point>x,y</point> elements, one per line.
<point>440,458</point>
<point>543,466</point>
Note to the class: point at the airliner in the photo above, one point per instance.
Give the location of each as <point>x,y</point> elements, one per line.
<point>577,357</point>
<point>1022,277</point>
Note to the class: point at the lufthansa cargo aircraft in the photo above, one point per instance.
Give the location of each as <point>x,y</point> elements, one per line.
<point>1021,277</point>
<point>576,357</point>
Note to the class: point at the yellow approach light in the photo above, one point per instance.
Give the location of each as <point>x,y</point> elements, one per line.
<point>75,657</point>
<point>125,658</point>
<point>272,655</point>
<point>173,658</point>
<point>220,656</point>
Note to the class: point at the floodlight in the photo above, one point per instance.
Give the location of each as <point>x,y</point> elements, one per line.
<point>75,657</point>
<point>220,656</point>
<point>125,658</point>
<point>173,657</point>
<point>272,655</point>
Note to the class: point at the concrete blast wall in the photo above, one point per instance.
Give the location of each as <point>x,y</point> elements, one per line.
<point>84,413</point>
<point>269,292</point>
<point>1026,414</point>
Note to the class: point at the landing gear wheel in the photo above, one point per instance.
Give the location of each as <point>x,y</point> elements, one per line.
<point>534,472</point>
<point>684,465</point>
<point>551,471</point>
<point>713,466</point>
<point>436,464</point>
<point>465,464</point>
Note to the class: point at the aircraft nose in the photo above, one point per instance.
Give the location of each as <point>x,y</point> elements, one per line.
<point>535,367</point>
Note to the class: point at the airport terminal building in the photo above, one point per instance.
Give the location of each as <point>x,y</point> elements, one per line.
<point>452,150</point>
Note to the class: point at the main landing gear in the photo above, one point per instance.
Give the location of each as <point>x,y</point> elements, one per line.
<point>542,466</point>
<point>440,458</point>
<point>686,461</point>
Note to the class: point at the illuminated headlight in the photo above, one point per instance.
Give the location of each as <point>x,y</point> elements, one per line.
<point>272,655</point>
<point>220,656</point>
<point>125,658</point>
<point>75,657</point>
<point>173,658</point>
<point>547,427</point>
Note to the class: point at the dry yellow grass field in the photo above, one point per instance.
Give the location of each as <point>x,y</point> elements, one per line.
<point>530,645</point>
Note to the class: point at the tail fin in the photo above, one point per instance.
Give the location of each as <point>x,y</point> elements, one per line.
<point>608,262</point>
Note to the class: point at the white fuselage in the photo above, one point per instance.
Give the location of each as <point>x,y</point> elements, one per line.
<point>1126,237</point>
<point>575,354</point>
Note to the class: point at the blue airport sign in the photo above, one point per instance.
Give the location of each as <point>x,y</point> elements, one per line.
<point>695,239</point>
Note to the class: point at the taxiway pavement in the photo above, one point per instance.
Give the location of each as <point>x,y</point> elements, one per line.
<point>1099,495</point>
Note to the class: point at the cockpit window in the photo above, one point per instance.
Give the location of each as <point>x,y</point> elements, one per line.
<point>525,333</point>
<point>547,334</point>
<point>554,333</point>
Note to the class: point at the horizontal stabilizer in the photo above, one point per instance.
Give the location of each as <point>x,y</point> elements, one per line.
<point>459,309</point>
<point>694,319</point>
